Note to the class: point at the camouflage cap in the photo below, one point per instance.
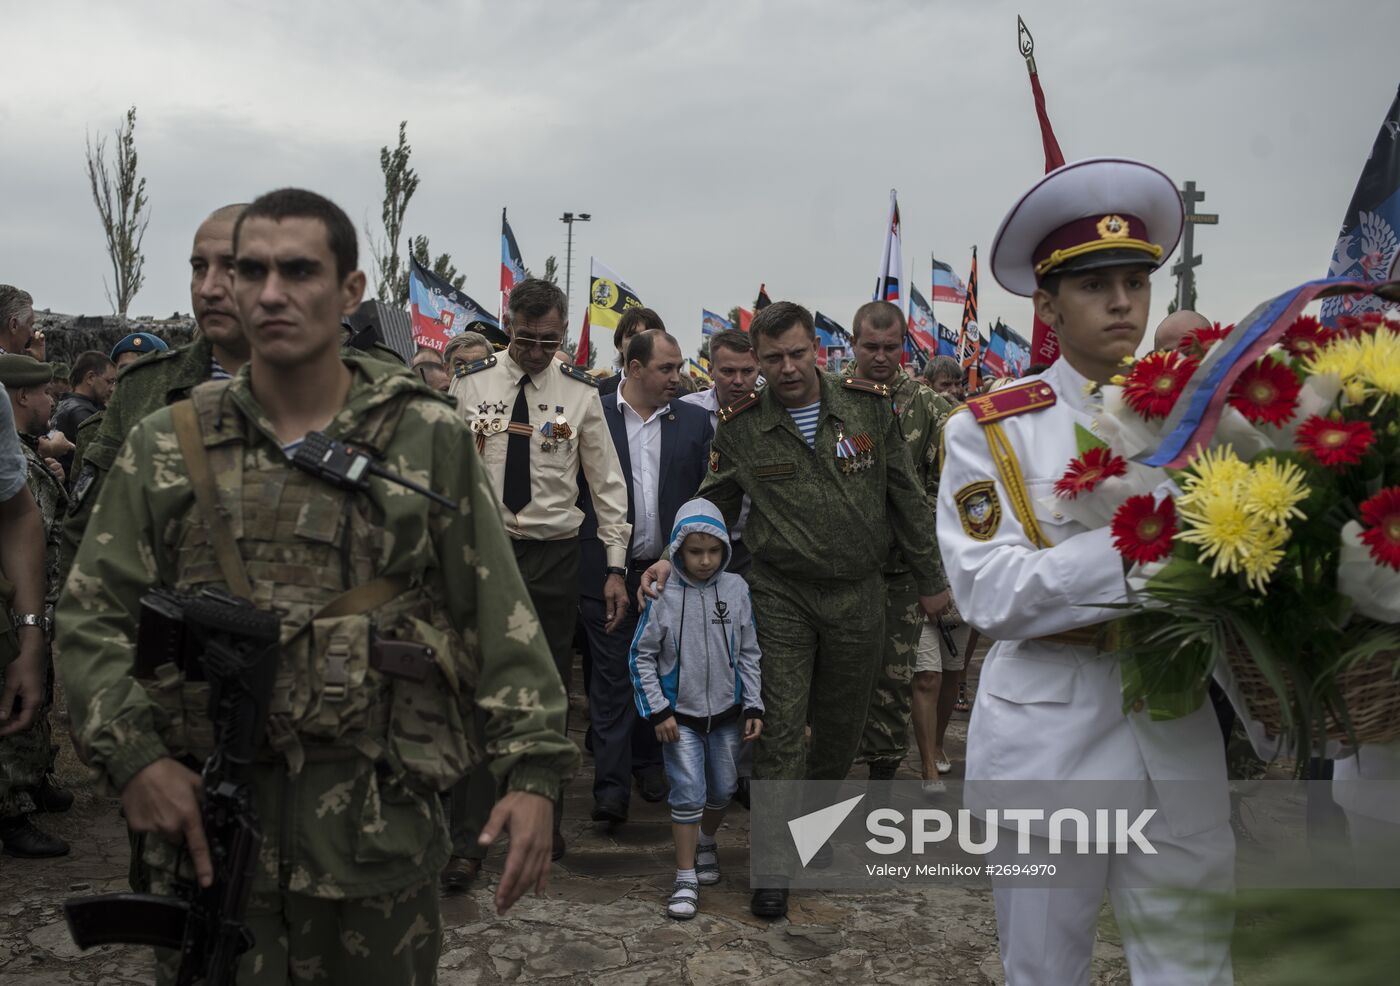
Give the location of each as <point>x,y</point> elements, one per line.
<point>24,371</point>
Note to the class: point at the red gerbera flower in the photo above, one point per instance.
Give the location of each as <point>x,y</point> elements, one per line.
<point>1198,341</point>
<point>1364,324</point>
<point>1143,529</point>
<point>1306,336</point>
<point>1380,516</point>
<point>1156,381</point>
<point>1267,392</point>
<point>1088,471</point>
<point>1335,443</point>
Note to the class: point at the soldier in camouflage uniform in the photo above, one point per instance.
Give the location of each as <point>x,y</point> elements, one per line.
<point>878,328</point>
<point>824,465</point>
<point>346,784</point>
<point>162,378</point>
<point>26,759</point>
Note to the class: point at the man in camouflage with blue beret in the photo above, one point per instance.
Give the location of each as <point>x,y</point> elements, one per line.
<point>346,784</point>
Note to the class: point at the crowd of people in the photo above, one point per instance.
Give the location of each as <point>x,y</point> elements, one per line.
<point>760,577</point>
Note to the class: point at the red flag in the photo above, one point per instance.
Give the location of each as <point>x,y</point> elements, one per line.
<point>1045,347</point>
<point>581,353</point>
<point>745,317</point>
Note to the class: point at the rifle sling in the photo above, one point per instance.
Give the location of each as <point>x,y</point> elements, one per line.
<point>206,495</point>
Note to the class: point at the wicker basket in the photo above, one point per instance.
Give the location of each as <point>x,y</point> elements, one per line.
<point>1370,690</point>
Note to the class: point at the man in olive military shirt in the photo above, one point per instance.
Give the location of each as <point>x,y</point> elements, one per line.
<point>217,351</point>
<point>832,488</point>
<point>879,329</point>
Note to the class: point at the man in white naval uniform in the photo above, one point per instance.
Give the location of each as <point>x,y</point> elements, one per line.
<point>1050,706</point>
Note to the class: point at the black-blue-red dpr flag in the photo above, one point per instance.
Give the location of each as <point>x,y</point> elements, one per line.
<point>1368,248</point>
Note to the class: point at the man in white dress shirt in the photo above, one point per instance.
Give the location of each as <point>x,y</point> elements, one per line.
<point>1082,243</point>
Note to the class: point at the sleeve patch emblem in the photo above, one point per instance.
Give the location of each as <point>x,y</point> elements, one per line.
<point>979,510</point>
<point>714,460</point>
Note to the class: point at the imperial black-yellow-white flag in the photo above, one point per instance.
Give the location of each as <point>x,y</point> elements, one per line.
<point>608,297</point>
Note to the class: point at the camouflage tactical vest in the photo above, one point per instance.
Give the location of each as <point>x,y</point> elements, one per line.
<point>303,543</point>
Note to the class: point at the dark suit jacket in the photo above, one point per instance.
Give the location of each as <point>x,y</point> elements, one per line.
<point>609,385</point>
<point>685,455</point>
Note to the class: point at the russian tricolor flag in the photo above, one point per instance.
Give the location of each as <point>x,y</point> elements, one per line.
<point>887,285</point>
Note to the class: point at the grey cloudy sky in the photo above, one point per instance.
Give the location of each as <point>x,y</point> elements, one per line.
<point>717,144</point>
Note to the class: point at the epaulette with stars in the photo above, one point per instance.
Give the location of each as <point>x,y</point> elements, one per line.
<point>738,407</point>
<point>1033,395</point>
<point>467,369</point>
<point>867,386</point>
<point>578,373</point>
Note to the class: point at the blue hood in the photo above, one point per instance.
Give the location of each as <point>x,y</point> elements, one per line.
<point>703,516</point>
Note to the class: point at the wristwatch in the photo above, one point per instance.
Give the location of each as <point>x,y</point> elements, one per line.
<point>617,570</point>
<point>32,620</point>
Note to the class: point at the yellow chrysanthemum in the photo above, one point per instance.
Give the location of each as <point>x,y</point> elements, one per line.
<point>1214,471</point>
<point>1379,361</point>
<point>1341,356</point>
<point>1259,560</point>
<point>1275,489</point>
<point>1365,364</point>
<point>1237,513</point>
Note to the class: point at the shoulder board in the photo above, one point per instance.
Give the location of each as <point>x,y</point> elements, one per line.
<point>1034,395</point>
<point>578,373</point>
<point>867,386</point>
<point>469,368</point>
<point>739,406</point>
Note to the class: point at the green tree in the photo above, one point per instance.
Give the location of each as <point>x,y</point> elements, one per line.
<point>551,270</point>
<point>400,182</point>
<point>120,197</point>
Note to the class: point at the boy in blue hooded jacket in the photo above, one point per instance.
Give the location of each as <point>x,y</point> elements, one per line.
<point>694,664</point>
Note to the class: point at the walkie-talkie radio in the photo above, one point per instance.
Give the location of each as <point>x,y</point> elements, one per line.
<point>335,463</point>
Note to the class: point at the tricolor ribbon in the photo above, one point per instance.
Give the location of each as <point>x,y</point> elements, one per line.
<point>1193,420</point>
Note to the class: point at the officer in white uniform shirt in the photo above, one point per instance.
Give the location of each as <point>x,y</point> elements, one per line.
<point>1082,242</point>
<point>536,420</point>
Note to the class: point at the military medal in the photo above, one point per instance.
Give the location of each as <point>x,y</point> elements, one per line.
<point>855,454</point>
<point>556,432</point>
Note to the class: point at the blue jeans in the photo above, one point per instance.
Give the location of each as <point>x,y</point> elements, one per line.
<point>702,770</point>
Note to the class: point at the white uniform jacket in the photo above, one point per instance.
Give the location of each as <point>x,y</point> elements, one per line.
<point>1054,711</point>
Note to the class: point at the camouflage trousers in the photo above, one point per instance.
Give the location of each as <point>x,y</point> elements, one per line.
<point>886,737</point>
<point>819,643</point>
<point>392,939</point>
<point>25,758</point>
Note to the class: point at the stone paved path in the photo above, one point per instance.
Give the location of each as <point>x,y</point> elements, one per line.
<point>601,920</point>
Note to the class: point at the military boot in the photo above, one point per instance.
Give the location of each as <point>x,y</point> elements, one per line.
<point>22,839</point>
<point>51,798</point>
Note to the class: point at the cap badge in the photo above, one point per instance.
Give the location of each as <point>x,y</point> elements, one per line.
<point>1113,228</point>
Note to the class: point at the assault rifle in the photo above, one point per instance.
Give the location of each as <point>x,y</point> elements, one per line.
<point>226,641</point>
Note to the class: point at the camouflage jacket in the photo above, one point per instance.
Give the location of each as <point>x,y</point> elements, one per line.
<point>149,384</point>
<point>806,501</point>
<point>52,499</point>
<point>921,414</point>
<point>346,826</point>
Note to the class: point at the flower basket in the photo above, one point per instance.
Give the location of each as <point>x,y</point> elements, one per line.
<point>1251,481</point>
<point>1369,691</point>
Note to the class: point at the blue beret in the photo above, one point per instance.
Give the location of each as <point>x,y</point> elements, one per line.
<point>138,342</point>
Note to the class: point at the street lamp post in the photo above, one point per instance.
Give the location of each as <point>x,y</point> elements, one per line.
<point>568,219</point>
